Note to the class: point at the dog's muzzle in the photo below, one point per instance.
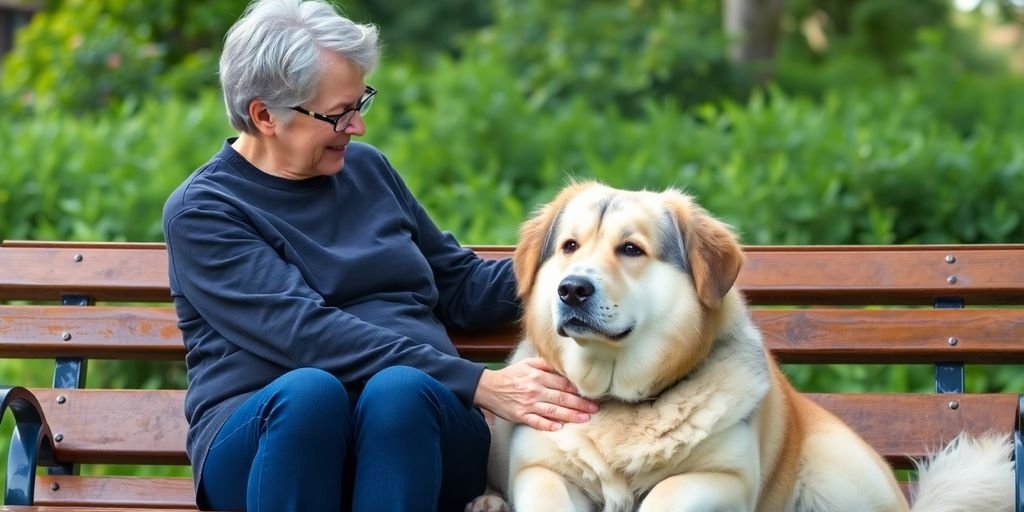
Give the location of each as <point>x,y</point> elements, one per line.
<point>577,316</point>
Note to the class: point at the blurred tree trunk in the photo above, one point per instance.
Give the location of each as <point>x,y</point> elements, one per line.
<point>754,26</point>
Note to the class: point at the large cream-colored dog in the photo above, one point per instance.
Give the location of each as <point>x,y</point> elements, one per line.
<point>630,296</point>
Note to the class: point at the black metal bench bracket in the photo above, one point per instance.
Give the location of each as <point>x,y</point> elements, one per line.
<point>949,377</point>
<point>31,445</point>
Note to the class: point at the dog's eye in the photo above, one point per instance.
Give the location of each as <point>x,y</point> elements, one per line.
<point>631,249</point>
<point>569,246</point>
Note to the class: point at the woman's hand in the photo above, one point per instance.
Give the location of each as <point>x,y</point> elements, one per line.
<point>530,392</point>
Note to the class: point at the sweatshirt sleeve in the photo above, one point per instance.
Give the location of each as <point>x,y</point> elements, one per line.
<point>259,302</point>
<point>474,293</point>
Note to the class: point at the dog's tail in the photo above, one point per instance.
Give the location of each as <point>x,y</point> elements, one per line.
<point>971,474</point>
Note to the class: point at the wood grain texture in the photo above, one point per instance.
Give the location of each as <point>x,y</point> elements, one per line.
<point>771,275</point>
<point>115,491</point>
<point>917,275</point>
<point>117,426</point>
<point>133,426</point>
<point>977,336</point>
<point>910,426</point>
<point>793,336</point>
<point>45,273</point>
<point>96,332</point>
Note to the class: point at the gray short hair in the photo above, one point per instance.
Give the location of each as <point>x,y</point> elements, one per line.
<point>273,53</point>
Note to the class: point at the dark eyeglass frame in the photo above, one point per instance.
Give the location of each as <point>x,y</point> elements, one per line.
<point>336,120</point>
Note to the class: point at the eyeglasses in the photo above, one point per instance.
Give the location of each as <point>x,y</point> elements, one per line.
<point>342,120</point>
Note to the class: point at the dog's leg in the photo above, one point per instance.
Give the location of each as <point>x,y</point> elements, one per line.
<point>537,489</point>
<point>487,503</point>
<point>696,492</point>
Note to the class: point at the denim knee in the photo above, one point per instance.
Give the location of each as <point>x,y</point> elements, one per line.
<point>397,394</point>
<point>308,401</point>
<point>398,383</point>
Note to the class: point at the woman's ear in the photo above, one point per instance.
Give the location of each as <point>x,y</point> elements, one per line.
<point>261,117</point>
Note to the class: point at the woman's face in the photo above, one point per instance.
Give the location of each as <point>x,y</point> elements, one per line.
<point>307,146</point>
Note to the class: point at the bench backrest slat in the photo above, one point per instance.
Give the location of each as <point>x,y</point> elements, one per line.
<point>100,332</point>
<point>103,273</point>
<point>918,276</point>
<point>821,335</point>
<point>827,335</point>
<point>770,276</point>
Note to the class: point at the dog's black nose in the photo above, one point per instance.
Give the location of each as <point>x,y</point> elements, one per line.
<point>573,290</point>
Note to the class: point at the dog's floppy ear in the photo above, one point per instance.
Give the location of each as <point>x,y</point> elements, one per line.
<point>537,239</point>
<point>712,251</point>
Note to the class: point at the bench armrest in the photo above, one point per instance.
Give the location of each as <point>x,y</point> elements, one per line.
<point>31,444</point>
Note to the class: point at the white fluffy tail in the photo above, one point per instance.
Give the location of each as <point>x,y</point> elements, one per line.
<point>971,474</point>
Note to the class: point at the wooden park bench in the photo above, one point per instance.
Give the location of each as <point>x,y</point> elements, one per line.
<point>76,302</point>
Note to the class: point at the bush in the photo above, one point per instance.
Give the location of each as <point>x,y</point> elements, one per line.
<point>610,53</point>
<point>102,177</point>
<point>880,166</point>
<point>886,166</point>
<point>83,56</point>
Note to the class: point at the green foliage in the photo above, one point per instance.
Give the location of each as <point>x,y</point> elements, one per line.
<point>853,378</point>
<point>85,55</point>
<point>608,53</point>
<point>881,166</point>
<point>862,43</point>
<point>885,167</point>
<point>885,29</point>
<point>880,31</point>
<point>102,177</point>
<point>417,31</point>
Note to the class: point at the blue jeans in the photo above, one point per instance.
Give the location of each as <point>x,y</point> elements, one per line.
<point>405,443</point>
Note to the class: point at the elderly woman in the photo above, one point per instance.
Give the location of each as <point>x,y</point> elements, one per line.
<point>314,292</point>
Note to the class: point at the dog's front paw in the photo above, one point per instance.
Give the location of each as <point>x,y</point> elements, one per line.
<point>487,503</point>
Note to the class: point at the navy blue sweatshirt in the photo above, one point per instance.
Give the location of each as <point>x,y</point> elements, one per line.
<point>345,273</point>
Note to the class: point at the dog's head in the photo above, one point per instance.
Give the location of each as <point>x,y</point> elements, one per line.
<point>628,278</point>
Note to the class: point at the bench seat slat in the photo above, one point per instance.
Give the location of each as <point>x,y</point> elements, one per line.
<point>116,426</point>
<point>773,275</point>
<point>115,491</point>
<point>794,336</point>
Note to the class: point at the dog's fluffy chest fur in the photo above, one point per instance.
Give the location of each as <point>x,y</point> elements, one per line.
<point>626,448</point>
